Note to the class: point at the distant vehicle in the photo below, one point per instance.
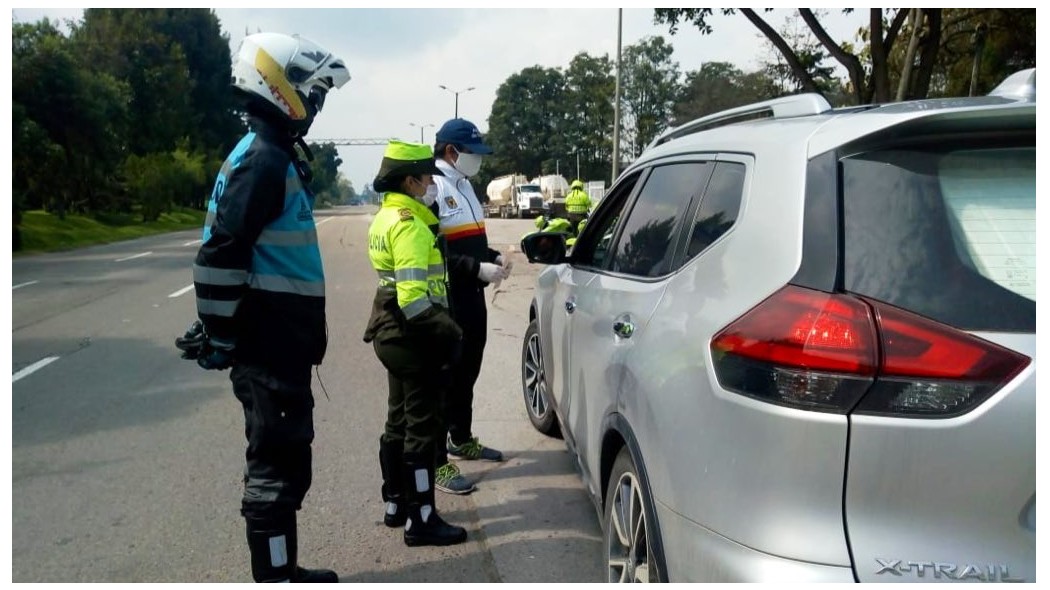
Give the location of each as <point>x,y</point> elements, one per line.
<point>797,344</point>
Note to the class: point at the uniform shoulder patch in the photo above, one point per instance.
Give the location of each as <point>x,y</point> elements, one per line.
<point>405,214</point>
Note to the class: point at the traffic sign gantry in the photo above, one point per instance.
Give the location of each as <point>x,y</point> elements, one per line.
<point>362,141</point>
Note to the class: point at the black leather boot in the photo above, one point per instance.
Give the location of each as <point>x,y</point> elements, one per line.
<point>424,526</point>
<point>273,542</point>
<point>391,463</point>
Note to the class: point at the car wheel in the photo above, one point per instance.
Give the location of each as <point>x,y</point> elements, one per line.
<point>629,536</point>
<point>534,384</point>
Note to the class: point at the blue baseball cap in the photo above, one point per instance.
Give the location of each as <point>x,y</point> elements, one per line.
<point>463,132</point>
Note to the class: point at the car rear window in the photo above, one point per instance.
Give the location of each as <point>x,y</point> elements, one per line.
<point>949,234</point>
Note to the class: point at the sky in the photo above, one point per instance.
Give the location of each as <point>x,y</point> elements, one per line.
<point>399,57</point>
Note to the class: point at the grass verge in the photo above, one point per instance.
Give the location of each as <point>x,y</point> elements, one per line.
<point>44,232</point>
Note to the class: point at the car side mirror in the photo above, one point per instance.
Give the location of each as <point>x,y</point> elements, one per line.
<point>545,247</point>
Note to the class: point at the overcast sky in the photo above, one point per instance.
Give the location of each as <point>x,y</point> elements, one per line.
<point>399,57</point>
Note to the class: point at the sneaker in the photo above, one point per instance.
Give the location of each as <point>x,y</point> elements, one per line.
<point>474,450</point>
<point>448,479</point>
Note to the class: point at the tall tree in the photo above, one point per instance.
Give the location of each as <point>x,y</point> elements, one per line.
<point>650,86</point>
<point>883,31</point>
<point>129,45</point>
<point>528,123</point>
<point>718,86</point>
<point>81,111</point>
<point>590,87</point>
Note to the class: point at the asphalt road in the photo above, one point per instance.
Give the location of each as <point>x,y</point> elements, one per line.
<point>127,461</point>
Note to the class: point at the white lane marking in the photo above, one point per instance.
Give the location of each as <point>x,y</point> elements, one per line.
<point>133,257</point>
<point>40,364</point>
<point>194,242</point>
<point>325,220</point>
<point>19,286</point>
<point>180,292</point>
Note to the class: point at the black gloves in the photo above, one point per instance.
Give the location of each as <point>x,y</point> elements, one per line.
<point>209,353</point>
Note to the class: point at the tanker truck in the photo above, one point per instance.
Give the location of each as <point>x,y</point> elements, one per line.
<point>513,196</point>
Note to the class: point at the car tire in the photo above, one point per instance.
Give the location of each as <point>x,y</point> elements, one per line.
<point>631,538</point>
<point>534,384</point>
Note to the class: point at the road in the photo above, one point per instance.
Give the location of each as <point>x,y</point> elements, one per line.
<point>127,461</point>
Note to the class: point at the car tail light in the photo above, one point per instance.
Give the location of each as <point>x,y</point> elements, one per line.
<point>800,348</point>
<point>836,352</point>
<point>930,369</point>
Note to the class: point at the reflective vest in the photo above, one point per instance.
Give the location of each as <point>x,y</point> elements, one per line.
<point>404,251</point>
<point>268,295</point>
<point>577,201</point>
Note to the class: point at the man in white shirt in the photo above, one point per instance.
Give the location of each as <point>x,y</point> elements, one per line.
<point>472,266</point>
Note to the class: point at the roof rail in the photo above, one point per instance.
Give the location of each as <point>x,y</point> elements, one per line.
<point>798,105</point>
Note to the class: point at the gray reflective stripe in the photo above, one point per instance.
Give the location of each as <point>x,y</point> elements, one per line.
<point>275,237</point>
<point>209,219</point>
<point>219,276</point>
<point>217,307</point>
<point>261,489</point>
<point>440,300</point>
<point>437,269</point>
<point>285,285</point>
<point>386,274</point>
<point>410,274</point>
<point>416,307</point>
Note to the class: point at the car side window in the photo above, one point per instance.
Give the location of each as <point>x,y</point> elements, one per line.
<point>719,208</point>
<point>646,245</point>
<point>594,244</point>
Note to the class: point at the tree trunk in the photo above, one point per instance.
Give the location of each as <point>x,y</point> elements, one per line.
<point>789,54</point>
<point>909,55</point>
<point>931,46</point>
<point>880,80</point>
<point>850,61</point>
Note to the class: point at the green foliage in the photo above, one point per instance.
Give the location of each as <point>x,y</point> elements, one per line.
<point>718,86</point>
<point>149,83</point>
<point>650,86</point>
<point>156,181</point>
<point>325,169</point>
<point>44,232</point>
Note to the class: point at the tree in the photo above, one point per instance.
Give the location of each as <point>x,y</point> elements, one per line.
<point>528,123</point>
<point>325,170</point>
<point>882,33</point>
<point>718,86</point>
<point>589,89</point>
<point>650,85</point>
<point>81,111</point>
<point>1001,39</point>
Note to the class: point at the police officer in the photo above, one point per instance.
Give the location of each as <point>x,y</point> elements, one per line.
<point>577,205</point>
<point>414,337</point>
<point>260,289</point>
<point>472,267</point>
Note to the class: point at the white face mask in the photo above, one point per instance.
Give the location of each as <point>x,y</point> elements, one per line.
<point>468,164</point>
<point>430,196</point>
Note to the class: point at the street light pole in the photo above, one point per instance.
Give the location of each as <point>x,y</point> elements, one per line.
<point>457,93</point>
<point>421,127</point>
<point>616,104</point>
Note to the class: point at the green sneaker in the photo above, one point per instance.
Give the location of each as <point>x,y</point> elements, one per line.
<point>474,450</point>
<point>448,479</point>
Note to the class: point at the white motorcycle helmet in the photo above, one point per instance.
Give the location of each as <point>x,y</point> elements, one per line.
<point>286,76</point>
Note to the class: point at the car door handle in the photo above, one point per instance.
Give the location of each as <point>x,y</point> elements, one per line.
<point>570,304</point>
<point>623,328</point>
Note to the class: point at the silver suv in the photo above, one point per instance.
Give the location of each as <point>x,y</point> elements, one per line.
<point>797,343</point>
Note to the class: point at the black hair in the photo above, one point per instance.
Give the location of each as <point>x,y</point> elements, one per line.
<point>439,149</point>
<point>391,183</point>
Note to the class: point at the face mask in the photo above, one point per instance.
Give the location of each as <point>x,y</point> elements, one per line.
<point>468,164</point>
<point>430,196</point>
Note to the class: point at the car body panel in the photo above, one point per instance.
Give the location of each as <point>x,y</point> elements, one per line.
<point>746,490</point>
<point>969,486</point>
